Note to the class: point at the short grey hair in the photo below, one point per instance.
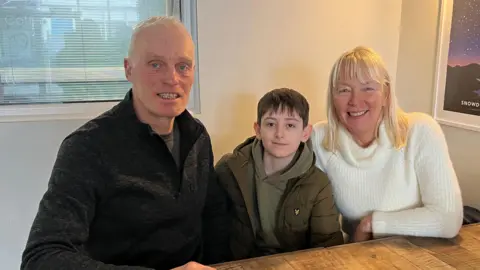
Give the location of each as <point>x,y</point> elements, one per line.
<point>154,21</point>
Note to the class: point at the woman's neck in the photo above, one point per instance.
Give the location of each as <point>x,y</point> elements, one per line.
<point>365,140</point>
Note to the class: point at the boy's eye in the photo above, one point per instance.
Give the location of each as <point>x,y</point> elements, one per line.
<point>270,124</point>
<point>291,125</point>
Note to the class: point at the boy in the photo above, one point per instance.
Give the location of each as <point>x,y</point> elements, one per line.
<point>278,199</point>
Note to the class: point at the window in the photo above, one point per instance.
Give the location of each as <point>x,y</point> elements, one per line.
<point>64,58</point>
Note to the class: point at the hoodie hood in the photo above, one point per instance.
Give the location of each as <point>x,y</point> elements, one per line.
<point>251,150</point>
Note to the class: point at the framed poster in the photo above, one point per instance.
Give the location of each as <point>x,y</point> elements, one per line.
<point>457,93</point>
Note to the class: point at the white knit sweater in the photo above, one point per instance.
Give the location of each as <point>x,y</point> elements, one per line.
<point>411,191</point>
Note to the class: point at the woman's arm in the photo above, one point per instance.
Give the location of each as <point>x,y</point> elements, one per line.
<point>441,212</point>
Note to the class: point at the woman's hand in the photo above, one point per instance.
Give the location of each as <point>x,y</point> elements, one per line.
<point>364,230</point>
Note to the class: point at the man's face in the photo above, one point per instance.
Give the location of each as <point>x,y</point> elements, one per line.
<point>161,70</point>
<point>281,132</point>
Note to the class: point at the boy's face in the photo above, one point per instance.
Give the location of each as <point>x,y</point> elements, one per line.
<point>281,132</point>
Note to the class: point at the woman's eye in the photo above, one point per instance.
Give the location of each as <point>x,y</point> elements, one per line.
<point>342,90</point>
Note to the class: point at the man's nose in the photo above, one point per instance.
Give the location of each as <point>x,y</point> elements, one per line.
<point>171,76</point>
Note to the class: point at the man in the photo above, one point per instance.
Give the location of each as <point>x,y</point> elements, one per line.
<point>135,187</point>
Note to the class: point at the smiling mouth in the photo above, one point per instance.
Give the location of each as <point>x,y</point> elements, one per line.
<point>357,114</point>
<point>168,96</point>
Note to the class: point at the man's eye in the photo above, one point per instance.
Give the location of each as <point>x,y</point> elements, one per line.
<point>155,65</point>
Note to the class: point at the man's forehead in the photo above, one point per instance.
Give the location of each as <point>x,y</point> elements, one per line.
<point>164,41</point>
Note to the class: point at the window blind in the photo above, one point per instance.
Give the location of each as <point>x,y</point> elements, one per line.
<point>68,51</point>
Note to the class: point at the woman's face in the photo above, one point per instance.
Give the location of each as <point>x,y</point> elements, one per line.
<point>359,107</point>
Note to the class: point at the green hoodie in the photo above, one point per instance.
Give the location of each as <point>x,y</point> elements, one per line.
<point>290,210</point>
<point>270,189</point>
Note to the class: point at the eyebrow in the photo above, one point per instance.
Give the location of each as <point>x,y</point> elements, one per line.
<point>288,118</point>
<point>185,59</point>
<point>369,83</point>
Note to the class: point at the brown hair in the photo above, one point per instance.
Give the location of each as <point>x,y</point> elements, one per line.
<point>283,99</point>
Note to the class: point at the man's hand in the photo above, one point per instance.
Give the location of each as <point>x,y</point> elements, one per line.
<point>193,266</point>
<point>364,230</point>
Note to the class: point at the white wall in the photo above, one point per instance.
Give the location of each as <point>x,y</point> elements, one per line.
<point>247,47</point>
<point>415,88</point>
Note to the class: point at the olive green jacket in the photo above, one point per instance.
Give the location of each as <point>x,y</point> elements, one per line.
<point>306,214</point>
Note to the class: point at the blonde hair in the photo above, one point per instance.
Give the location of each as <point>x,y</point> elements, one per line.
<point>155,21</point>
<point>365,64</point>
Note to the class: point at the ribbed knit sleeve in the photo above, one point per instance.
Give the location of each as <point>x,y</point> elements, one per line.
<point>410,191</point>
<point>441,213</point>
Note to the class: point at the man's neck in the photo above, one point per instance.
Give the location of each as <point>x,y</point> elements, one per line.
<point>161,125</point>
<point>273,164</point>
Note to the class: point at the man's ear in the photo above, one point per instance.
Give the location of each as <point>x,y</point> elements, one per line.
<point>127,67</point>
<point>307,131</point>
<point>256,127</point>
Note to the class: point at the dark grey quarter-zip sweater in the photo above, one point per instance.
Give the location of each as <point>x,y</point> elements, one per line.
<point>116,199</point>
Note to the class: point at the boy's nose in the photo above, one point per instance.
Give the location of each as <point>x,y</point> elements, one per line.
<point>279,133</point>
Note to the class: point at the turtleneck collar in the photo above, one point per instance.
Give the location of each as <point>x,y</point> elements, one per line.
<point>362,157</point>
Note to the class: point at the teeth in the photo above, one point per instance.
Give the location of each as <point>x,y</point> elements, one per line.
<point>168,95</point>
<point>357,113</point>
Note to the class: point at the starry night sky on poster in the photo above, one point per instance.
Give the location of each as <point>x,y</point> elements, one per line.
<point>464,46</point>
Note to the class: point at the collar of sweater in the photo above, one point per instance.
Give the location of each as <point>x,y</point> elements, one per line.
<point>362,157</point>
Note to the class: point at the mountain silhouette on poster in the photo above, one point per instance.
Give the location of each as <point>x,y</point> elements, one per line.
<point>462,89</point>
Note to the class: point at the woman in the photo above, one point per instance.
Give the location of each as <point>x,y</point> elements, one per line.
<point>391,172</point>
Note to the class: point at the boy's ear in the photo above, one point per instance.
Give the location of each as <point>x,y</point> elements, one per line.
<point>256,127</point>
<point>307,131</point>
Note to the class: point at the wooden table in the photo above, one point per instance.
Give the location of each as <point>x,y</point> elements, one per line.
<point>462,252</point>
